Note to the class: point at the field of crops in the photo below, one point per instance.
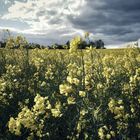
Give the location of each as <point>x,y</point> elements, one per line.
<point>69,94</point>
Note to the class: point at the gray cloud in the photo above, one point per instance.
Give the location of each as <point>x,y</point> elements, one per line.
<point>110,18</point>
<point>114,21</point>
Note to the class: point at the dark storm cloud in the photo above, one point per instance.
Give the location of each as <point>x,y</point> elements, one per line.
<point>118,18</point>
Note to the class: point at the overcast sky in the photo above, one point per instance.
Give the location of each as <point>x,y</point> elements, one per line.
<point>50,21</point>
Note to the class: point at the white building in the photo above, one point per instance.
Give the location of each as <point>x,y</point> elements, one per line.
<point>139,43</point>
<point>132,44</point>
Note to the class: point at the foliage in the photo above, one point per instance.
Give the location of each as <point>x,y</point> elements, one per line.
<point>76,94</point>
<point>16,42</point>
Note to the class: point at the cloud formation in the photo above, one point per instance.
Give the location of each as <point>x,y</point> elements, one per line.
<point>46,17</point>
<point>57,20</point>
<point>118,19</point>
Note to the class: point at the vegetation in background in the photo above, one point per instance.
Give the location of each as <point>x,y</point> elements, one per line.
<point>12,42</point>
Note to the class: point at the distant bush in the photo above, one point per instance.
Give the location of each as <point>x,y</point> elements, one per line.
<point>17,42</point>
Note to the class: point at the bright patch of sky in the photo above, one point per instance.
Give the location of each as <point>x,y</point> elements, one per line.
<point>40,17</point>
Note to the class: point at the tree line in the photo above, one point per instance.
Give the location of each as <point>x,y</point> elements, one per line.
<point>12,42</point>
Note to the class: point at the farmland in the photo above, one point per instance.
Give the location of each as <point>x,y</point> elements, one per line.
<point>70,94</point>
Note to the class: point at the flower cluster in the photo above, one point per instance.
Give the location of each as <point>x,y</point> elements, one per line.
<point>83,94</point>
